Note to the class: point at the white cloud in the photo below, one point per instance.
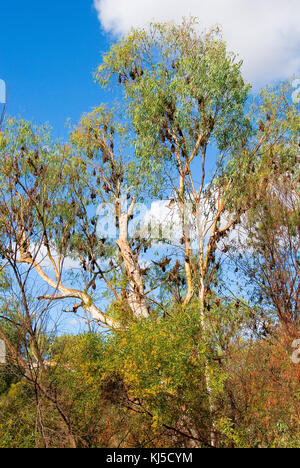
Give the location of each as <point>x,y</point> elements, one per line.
<point>266,34</point>
<point>163,220</point>
<point>39,253</point>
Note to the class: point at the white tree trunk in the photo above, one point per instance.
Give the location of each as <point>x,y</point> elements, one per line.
<point>136,293</point>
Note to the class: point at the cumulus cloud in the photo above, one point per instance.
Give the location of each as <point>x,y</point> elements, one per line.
<point>265,34</point>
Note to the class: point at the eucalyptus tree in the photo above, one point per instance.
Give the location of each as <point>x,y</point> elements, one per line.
<point>100,141</point>
<point>195,139</point>
<point>39,221</point>
<point>186,103</point>
<point>184,94</point>
<point>270,244</point>
<point>181,130</point>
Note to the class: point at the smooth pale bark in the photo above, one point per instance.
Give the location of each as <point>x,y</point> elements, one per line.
<point>71,293</point>
<point>136,293</point>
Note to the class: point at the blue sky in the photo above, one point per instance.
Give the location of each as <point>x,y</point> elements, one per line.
<point>48,52</point>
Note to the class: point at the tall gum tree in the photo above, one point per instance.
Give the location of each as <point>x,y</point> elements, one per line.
<point>186,102</point>
<point>99,140</point>
<point>269,187</point>
<point>184,93</point>
<point>40,221</point>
